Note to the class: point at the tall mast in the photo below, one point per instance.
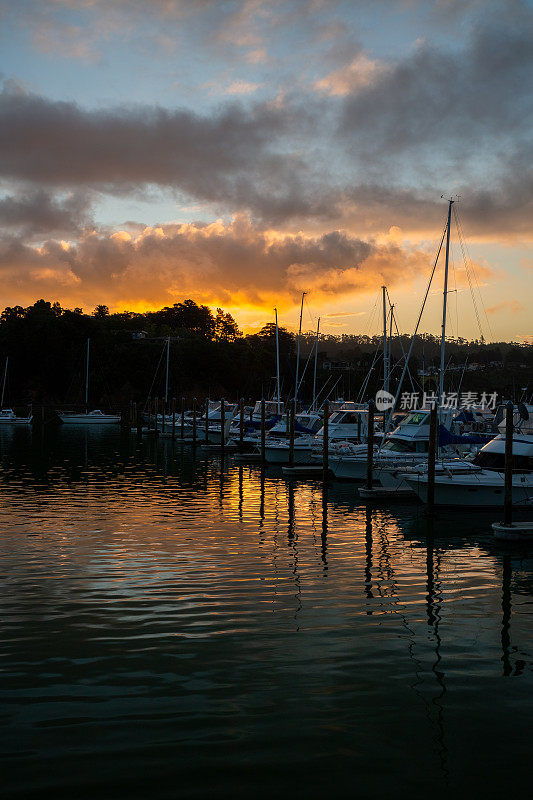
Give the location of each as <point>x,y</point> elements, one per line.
<point>385,348</point>
<point>298,355</point>
<point>4,383</point>
<point>87,378</point>
<point>277,360</point>
<point>444,302</point>
<point>166,378</point>
<point>316,356</point>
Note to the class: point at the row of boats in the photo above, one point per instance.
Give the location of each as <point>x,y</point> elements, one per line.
<point>471,446</point>
<point>469,469</point>
<point>96,417</point>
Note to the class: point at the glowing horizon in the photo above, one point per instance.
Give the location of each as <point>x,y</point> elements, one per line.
<point>264,149</point>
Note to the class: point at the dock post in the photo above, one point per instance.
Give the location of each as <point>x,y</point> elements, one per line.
<point>173,418</point>
<point>432,452</point>
<point>508,475</point>
<point>292,412</point>
<point>163,415</point>
<point>138,420</point>
<point>182,420</point>
<point>241,426</point>
<point>149,414</point>
<point>194,421</point>
<point>359,429</point>
<point>263,424</point>
<point>222,425</point>
<point>206,421</point>
<point>370,445</point>
<point>325,443</point>
<point>156,410</point>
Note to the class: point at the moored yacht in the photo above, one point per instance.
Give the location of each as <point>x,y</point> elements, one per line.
<point>214,421</point>
<point>8,417</point>
<point>481,482</point>
<point>95,417</point>
<point>252,422</point>
<point>348,424</point>
<point>306,426</point>
<point>406,445</point>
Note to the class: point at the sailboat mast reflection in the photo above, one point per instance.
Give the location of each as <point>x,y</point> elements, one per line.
<point>507,605</point>
<point>506,618</point>
<point>433,608</point>
<point>368,555</point>
<point>324,533</point>
<point>292,540</point>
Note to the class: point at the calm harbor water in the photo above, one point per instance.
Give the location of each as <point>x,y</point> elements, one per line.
<point>174,629</point>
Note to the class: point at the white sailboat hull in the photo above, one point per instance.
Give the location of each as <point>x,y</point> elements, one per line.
<point>348,469</point>
<point>483,489</point>
<point>87,419</point>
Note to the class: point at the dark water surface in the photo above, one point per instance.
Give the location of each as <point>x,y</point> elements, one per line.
<point>173,630</point>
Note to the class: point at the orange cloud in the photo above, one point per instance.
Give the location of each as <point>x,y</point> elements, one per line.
<point>242,87</point>
<point>511,305</point>
<point>358,74</point>
<point>235,264</point>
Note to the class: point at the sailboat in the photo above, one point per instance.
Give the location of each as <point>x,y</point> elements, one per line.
<point>408,446</point>
<point>7,415</point>
<point>95,417</point>
<point>480,483</point>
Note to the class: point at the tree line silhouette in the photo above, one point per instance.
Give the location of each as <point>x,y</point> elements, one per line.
<point>210,357</point>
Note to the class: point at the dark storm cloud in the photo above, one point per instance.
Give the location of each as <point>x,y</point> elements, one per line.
<point>460,100</point>
<point>62,144</point>
<point>40,212</point>
<point>236,156</point>
<point>503,209</point>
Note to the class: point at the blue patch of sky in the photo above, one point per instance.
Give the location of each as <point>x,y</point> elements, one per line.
<point>181,62</point>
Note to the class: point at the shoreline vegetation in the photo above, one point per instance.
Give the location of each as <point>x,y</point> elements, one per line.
<point>210,357</point>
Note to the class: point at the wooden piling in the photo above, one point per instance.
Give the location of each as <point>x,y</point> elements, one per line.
<point>194,420</point>
<point>222,425</point>
<point>206,421</point>
<point>325,443</point>
<point>432,452</point>
<point>292,412</point>
<point>241,426</point>
<point>173,418</point>
<point>139,421</point>
<point>156,411</point>
<point>163,415</point>
<point>508,475</point>
<point>263,431</point>
<point>370,445</point>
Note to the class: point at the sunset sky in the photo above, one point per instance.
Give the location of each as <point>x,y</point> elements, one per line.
<point>242,152</point>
